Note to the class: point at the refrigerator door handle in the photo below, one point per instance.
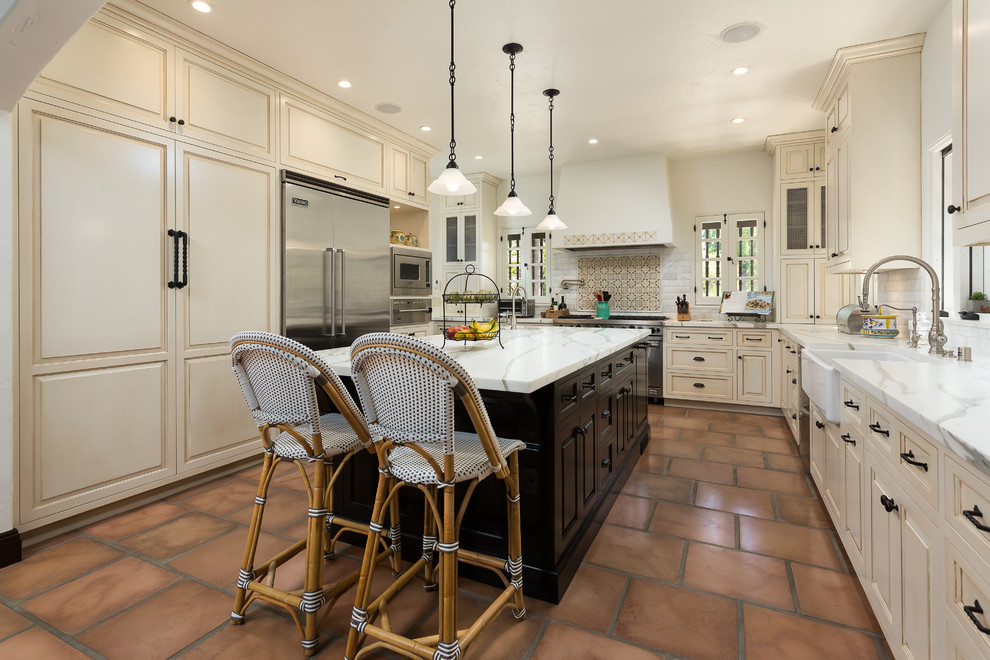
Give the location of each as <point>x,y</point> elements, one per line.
<point>343,295</point>
<point>333,306</point>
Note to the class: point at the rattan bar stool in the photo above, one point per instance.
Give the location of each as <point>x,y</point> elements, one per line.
<point>407,389</point>
<point>279,377</point>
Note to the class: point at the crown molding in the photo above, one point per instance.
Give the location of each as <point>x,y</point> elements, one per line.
<point>774,142</point>
<point>846,57</point>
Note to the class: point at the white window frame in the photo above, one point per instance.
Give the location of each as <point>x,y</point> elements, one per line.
<point>728,256</point>
<point>527,279</point>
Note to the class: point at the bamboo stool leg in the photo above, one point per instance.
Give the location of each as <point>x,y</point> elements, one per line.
<point>429,542</point>
<point>328,542</point>
<point>515,536</point>
<point>246,573</point>
<point>313,598</point>
<point>359,615</point>
<point>448,646</point>
<point>395,533</point>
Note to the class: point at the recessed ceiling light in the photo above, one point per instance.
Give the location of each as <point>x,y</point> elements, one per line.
<point>740,71</point>
<point>740,32</point>
<point>201,6</point>
<point>425,128</point>
<point>738,120</point>
<point>344,83</point>
<point>592,141</point>
<point>478,157</point>
<point>388,108</point>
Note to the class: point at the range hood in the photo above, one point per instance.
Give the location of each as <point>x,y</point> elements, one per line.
<point>623,202</point>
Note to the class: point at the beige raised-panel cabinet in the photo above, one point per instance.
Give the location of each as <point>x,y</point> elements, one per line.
<point>460,239</point>
<point>753,376</point>
<point>408,177</point>
<point>837,207</point>
<point>970,128</point>
<point>802,211</point>
<point>816,438</point>
<point>461,202</point>
<point>797,290</point>
<point>796,161</point>
<point>831,292</point>
<point>399,187</point>
<point>834,465</point>
<point>853,484</point>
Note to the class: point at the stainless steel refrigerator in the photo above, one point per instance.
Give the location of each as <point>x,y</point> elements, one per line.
<point>335,262</point>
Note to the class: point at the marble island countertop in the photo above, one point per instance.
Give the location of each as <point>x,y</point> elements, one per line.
<point>534,356</point>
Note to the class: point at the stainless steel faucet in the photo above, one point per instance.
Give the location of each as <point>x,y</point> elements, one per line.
<point>936,335</point>
<point>512,292</point>
<point>915,336</point>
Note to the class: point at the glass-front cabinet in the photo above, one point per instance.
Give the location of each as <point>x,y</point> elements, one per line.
<point>802,208</point>
<point>460,236</point>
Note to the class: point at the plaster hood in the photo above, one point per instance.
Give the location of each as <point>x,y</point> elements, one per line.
<point>622,202</point>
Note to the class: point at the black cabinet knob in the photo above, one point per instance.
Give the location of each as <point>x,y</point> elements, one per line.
<point>171,120</point>
<point>817,169</point>
<point>835,254</point>
<point>818,316</point>
<point>410,193</point>
<point>888,503</point>
<point>819,424</point>
<point>953,208</point>
<point>811,169</point>
<point>835,128</point>
<point>811,316</point>
<point>606,462</point>
<point>811,247</point>
<point>182,122</point>
<point>793,381</point>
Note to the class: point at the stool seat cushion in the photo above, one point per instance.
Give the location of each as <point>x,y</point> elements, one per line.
<point>470,459</point>
<point>338,438</point>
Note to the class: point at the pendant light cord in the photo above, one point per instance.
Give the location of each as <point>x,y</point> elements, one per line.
<point>453,143</point>
<point>551,154</point>
<point>512,120</point>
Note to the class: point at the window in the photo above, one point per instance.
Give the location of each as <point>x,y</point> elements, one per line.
<point>526,255</point>
<point>729,251</point>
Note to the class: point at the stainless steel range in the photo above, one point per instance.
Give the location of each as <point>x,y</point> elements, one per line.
<point>654,343</point>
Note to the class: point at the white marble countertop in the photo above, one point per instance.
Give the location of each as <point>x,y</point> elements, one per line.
<point>533,356</point>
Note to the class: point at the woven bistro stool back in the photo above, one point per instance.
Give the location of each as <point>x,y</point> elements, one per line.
<point>279,378</point>
<point>408,390</point>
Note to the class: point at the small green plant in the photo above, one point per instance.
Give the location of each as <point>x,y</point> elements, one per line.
<point>977,295</point>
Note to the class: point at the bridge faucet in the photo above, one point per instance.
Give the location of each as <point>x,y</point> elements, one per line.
<point>936,335</point>
<point>512,292</point>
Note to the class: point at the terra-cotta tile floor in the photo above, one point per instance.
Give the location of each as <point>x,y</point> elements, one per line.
<point>717,548</point>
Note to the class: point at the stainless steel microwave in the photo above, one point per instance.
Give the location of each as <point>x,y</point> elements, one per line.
<point>411,272</point>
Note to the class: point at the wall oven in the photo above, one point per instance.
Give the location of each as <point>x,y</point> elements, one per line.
<point>411,272</point>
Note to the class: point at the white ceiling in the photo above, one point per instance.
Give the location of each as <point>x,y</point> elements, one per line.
<point>641,76</point>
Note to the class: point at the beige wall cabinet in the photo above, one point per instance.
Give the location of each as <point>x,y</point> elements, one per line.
<point>801,161</point>
<point>408,174</point>
<point>126,381</point>
<point>467,229</point>
<point>970,130</point>
<point>802,218</point>
<point>871,98</point>
<point>809,294</point>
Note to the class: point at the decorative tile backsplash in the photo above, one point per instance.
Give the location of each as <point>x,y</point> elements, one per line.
<point>633,281</point>
<point>632,237</point>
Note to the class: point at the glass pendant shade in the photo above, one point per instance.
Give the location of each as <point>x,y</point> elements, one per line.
<point>452,182</point>
<point>551,222</point>
<point>513,206</point>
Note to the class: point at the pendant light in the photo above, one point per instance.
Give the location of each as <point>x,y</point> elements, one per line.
<point>451,181</point>
<point>551,222</point>
<point>512,205</point>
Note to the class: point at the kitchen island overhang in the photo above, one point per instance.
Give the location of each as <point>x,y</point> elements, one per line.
<point>578,398</point>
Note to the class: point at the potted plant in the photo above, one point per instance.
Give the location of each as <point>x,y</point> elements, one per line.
<point>978,302</point>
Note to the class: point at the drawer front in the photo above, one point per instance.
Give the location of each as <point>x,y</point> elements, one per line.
<point>624,360</point>
<point>587,385</point>
<point>853,402</point>
<point>699,359</point>
<point>879,428</point>
<point>683,386</point>
<point>918,462</point>
<point>606,374</point>
<point>746,338</point>
<point>968,506</point>
<point>567,398</point>
<point>699,337</point>
<point>966,593</point>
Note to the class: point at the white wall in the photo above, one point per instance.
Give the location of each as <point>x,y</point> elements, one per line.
<point>936,79</point>
<point>6,324</point>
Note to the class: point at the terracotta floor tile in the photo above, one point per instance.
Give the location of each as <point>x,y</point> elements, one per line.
<point>834,596</point>
<point>710,414</point>
<point>761,443</point>
<point>695,523</point>
<point>782,432</point>
<point>737,500</point>
<point>250,473</point>
<point>35,548</point>
<point>94,597</point>
<point>663,432</point>
<point>265,634</point>
<point>669,411</point>
<point>686,423</point>
<point>189,609</point>
<point>736,428</point>
<point>590,601</point>
<point>789,483</point>
<point>38,644</point>
<point>802,511</point>
<point>678,621</point>
<point>561,641</point>
<point>11,622</point>
<point>218,561</point>
<point>644,484</point>
<point>653,463</point>
<point>733,455</point>
<point>676,448</point>
<point>639,553</point>
<point>760,420</point>
<point>631,512</point>
<point>707,437</point>
<point>803,544</point>
<point>786,463</point>
<point>178,535</point>
<point>232,495</point>
<point>719,473</point>
<point>738,574</point>
<point>125,524</point>
<point>282,508</point>
<point>774,635</point>
<point>54,566</point>
<point>201,488</point>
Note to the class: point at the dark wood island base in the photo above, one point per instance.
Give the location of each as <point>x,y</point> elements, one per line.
<point>583,434</point>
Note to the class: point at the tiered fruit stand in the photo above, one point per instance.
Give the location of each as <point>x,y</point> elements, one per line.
<point>458,292</point>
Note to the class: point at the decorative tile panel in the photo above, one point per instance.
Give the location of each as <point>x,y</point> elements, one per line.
<point>624,238</point>
<point>633,281</point>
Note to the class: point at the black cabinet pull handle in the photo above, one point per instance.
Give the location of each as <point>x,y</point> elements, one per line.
<point>699,384</point>
<point>819,424</point>
<point>342,178</point>
<point>835,254</point>
<point>953,208</point>
<point>754,339</point>
<point>411,193</point>
<point>588,384</point>
<point>583,430</point>
<point>606,414</point>
<point>175,258</point>
<point>625,390</point>
<point>972,516</point>
<point>850,404</point>
<point>179,235</point>
<point>795,352</point>
<point>606,462</point>
<point>835,128</point>
<point>682,336</point>
<point>848,439</point>
<point>876,429</point>
<point>182,122</point>
<point>568,397</point>
<point>171,120</point>
<point>715,338</point>
<point>698,358</point>
<point>909,458</point>
<point>606,374</point>
<point>971,611</point>
<point>888,503</point>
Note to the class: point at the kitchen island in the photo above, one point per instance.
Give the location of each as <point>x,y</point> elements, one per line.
<point>578,398</point>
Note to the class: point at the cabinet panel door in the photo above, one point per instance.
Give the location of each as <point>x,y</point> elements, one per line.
<point>834,454</point>
<point>971,101</point>
<point>884,557</point>
<point>113,67</point>
<point>568,506</point>
<point>832,207</point>
<point>797,161</point>
<point>920,549</point>
<point>753,377</point>
<point>224,107</point>
<point>419,170</point>
<point>470,237</point>
<point>399,187</point>
<point>797,210</point>
<point>831,292</point>
<point>816,438</point>
<point>216,424</point>
<point>842,202</point>
<point>797,294</point>
<point>854,482</point>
